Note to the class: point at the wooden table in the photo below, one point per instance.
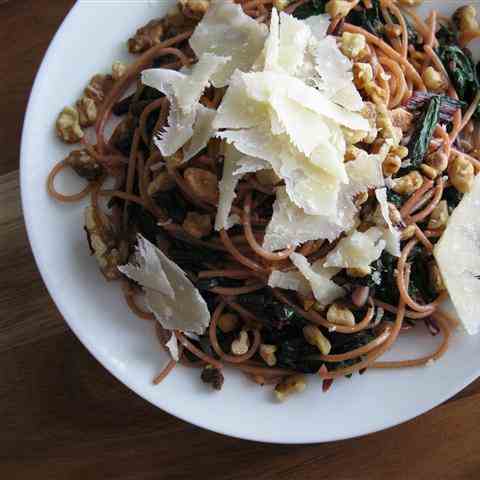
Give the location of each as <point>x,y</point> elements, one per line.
<point>62,416</point>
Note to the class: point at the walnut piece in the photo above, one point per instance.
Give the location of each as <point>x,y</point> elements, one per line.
<point>213,377</point>
<point>84,165</point>
<point>98,88</point>
<point>68,125</point>
<point>102,246</point>
<point>147,36</point>
<point>87,111</point>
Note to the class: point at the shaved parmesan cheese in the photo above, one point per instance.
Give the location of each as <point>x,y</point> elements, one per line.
<point>189,89</point>
<point>226,31</point>
<point>294,37</point>
<point>305,128</point>
<point>307,185</point>
<point>180,126</point>
<point>237,109</point>
<point>227,186</point>
<point>318,25</point>
<point>172,346</point>
<point>324,290</point>
<point>203,131</point>
<point>357,250</point>
<point>314,100</point>
<point>271,50</point>
<point>458,257</point>
<point>169,294</point>
<point>289,281</point>
<point>188,121</point>
<point>290,225</point>
<point>392,235</point>
<point>235,165</point>
<point>335,75</point>
<point>365,172</point>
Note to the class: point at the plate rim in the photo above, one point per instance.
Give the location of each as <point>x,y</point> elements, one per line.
<point>34,243</point>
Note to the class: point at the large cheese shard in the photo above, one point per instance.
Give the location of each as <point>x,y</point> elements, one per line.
<point>272,44</point>
<point>180,126</point>
<point>335,75</point>
<point>458,256</point>
<point>226,31</point>
<point>227,187</point>
<point>289,281</point>
<point>188,120</point>
<point>357,250</point>
<point>318,25</point>
<point>237,109</point>
<point>314,100</point>
<point>392,235</point>
<point>169,294</point>
<point>365,172</point>
<point>290,225</point>
<point>294,38</point>
<point>203,131</point>
<point>189,89</point>
<point>307,185</point>
<point>187,86</point>
<point>324,289</point>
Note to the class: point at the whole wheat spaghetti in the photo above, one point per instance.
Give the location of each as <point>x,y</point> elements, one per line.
<point>174,203</point>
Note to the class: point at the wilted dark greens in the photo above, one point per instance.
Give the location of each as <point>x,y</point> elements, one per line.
<point>421,138</point>
<point>315,7</point>
<point>460,66</point>
<point>371,19</point>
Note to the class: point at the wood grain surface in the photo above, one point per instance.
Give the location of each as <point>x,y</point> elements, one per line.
<point>63,416</point>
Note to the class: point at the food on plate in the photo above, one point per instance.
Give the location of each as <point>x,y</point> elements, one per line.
<point>293,183</point>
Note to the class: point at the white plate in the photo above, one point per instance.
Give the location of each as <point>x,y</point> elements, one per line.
<point>91,37</point>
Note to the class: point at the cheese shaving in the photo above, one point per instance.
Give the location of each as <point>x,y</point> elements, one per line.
<point>357,250</point>
<point>203,131</point>
<point>190,87</point>
<point>324,290</point>
<point>226,31</point>
<point>392,235</point>
<point>169,294</point>
<point>180,126</point>
<point>227,186</point>
<point>289,281</point>
<point>290,225</point>
<point>172,346</point>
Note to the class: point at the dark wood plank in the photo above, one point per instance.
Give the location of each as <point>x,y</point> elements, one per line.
<point>27,28</point>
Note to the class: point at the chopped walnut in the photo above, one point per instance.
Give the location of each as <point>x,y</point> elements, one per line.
<point>408,184</point>
<point>87,111</point>
<point>290,385</point>
<point>103,247</point>
<point>163,182</point>
<point>98,88</point>
<point>213,377</point>
<point>147,36</point>
<point>353,44</point>
<point>197,225</point>
<point>385,125</point>
<point>466,18</point>
<point>84,164</point>
<point>68,125</point>
<point>401,118</point>
<point>118,70</point>
<point>461,173</point>
<point>203,183</point>
<point>376,93</point>
<point>197,8</point>
<point>362,74</point>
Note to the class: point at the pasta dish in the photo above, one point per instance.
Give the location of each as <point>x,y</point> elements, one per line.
<point>285,187</point>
